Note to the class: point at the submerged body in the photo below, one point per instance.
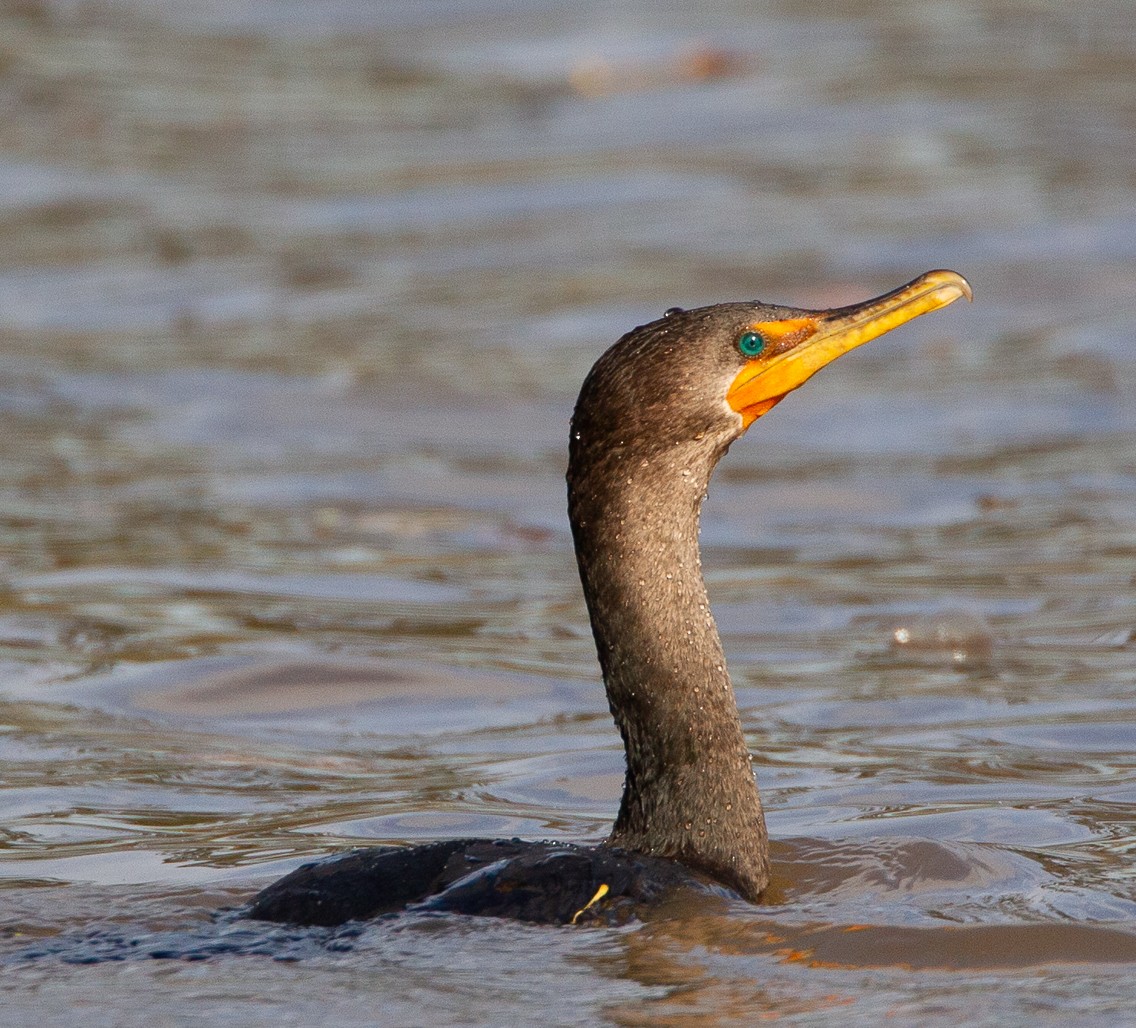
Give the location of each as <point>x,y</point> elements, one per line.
<point>540,882</point>
<point>655,415</point>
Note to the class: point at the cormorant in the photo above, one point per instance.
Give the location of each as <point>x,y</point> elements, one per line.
<point>655,415</point>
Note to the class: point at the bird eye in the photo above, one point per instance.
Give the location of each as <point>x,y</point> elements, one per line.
<point>751,343</point>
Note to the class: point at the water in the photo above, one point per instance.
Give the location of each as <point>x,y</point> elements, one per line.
<point>294,301</point>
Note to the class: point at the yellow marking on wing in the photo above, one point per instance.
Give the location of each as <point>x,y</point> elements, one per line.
<point>601,892</point>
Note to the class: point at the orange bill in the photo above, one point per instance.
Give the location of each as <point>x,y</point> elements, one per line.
<point>797,348</point>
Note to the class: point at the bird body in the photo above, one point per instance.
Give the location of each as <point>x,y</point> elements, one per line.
<point>540,882</point>
<point>655,415</point>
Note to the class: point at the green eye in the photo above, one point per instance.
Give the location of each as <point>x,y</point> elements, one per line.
<point>751,343</point>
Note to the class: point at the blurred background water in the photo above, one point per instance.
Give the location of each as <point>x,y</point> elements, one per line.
<point>294,302</point>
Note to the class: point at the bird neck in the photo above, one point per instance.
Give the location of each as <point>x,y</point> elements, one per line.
<point>689,793</point>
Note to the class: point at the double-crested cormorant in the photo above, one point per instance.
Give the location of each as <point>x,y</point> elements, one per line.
<point>656,413</point>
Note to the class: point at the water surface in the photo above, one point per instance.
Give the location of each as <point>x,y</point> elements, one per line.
<point>294,301</point>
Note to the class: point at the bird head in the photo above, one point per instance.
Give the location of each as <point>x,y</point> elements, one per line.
<point>707,373</point>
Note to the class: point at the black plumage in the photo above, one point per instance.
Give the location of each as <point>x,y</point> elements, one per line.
<point>655,415</point>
